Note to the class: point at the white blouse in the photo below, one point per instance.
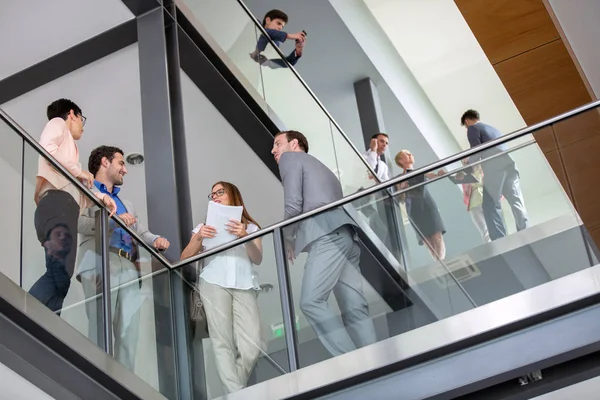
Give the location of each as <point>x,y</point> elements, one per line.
<point>231,268</point>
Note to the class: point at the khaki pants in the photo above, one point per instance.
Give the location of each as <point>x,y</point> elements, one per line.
<point>125,307</point>
<point>234,329</point>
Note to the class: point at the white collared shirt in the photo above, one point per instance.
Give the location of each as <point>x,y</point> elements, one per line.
<point>232,268</point>
<point>375,161</point>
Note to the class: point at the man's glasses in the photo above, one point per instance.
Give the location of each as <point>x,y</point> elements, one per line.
<point>83,119</point>
<point>218,193</point>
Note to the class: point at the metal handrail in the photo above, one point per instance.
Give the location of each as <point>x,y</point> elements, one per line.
<point>308,89</point>
<point>66,174</point>
<point>394,181</point>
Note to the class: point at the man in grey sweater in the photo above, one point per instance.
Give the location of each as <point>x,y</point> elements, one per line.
<point>500,177</point>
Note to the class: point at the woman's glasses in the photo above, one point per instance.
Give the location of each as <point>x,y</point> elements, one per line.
<point>217,193</point>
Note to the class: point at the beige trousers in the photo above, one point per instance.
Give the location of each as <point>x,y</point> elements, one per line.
<point>125,307</point>
<point>234,329</point>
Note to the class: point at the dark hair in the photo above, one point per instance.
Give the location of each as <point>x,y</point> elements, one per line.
<point>61,108</point>
<point>291,135</point>
<point>469,114</point>
<point>98,154</point>
<point>275,14</point>
<point>236,200</point>
<point>376,136</point>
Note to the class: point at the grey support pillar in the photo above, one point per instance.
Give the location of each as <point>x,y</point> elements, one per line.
<point>369,109</point>
<point>167,183</point>
<point>371,122</point>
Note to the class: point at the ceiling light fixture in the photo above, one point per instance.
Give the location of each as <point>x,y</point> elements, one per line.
<point>134,158</point>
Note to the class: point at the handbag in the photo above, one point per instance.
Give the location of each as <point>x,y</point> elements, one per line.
<point>197,312</point>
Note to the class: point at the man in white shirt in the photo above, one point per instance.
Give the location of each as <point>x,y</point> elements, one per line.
<point>379,144</point>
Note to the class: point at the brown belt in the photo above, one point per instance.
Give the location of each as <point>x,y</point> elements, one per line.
<point>121,253</point>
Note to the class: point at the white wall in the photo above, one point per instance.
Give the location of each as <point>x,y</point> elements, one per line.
<point>579,21</point>
<point>396,72</point>
<point>442,53</point>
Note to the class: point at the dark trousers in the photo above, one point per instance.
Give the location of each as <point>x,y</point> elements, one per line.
<point>56,207</point>
<point>497,183</point>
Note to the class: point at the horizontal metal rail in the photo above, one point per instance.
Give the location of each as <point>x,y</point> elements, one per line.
<point>394,181</point>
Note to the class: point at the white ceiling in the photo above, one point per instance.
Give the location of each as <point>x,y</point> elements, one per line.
<point>33,30</point>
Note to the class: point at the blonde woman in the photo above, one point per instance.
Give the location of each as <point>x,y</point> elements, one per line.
<point>228,287</point>
<point>423,211</point>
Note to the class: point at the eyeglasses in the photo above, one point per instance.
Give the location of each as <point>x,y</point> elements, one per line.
<point>83,119</point>
<point>218,193</point>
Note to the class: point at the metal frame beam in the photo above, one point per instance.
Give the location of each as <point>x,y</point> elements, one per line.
<point>140,7</point>
<point>167,181</point>
<point>68,61</point>
<point>465,367</point>
<point>51,363</point>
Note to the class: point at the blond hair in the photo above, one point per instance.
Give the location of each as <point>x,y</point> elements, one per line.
<point>400,154</point>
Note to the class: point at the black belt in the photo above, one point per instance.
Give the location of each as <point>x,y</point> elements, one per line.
<point>121,253</point>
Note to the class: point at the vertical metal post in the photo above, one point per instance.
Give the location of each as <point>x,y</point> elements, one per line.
<point>287,302</point>
<point>102,230</point>
<point>167,181</point>
<point>22,209</point>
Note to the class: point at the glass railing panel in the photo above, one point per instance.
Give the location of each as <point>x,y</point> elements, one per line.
<point>11,165</point>
<point>353,172</point>
<point>57,247</point>
<point>241,340</point>
<point>297,110</point>
<point>142,313</point>
<point>62,267</point>
<point>444,265</point>
<point>348,294</point>
<point>288,102</point>
<point>236,42</point>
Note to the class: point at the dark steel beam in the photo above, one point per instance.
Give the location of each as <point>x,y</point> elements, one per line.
<point>167,181</point>
<point>140,7</point>
<point>483,360</point>
<point>68,61</point>
<point>49,362</point>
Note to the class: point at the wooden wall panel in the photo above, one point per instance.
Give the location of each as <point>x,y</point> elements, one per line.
<point>533,62</point>
<point>506,28</point>
<point>545,139</point>
<point>581,166</point>
<point>543,82</point>
<point>577,128</point>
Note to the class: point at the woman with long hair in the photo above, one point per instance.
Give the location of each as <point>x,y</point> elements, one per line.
<point>423,211</point>
<point>228,287</point>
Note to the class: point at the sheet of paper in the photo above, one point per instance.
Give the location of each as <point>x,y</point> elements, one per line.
<point>217,216</point>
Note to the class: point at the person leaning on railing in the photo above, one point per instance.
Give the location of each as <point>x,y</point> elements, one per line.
<point>273,22</point>
<point>59,202</point>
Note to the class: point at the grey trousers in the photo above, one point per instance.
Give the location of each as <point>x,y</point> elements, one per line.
<point>333,265</point>
<point>497,183</point>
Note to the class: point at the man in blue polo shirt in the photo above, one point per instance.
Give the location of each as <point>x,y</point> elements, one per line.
<point>107,164</point>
